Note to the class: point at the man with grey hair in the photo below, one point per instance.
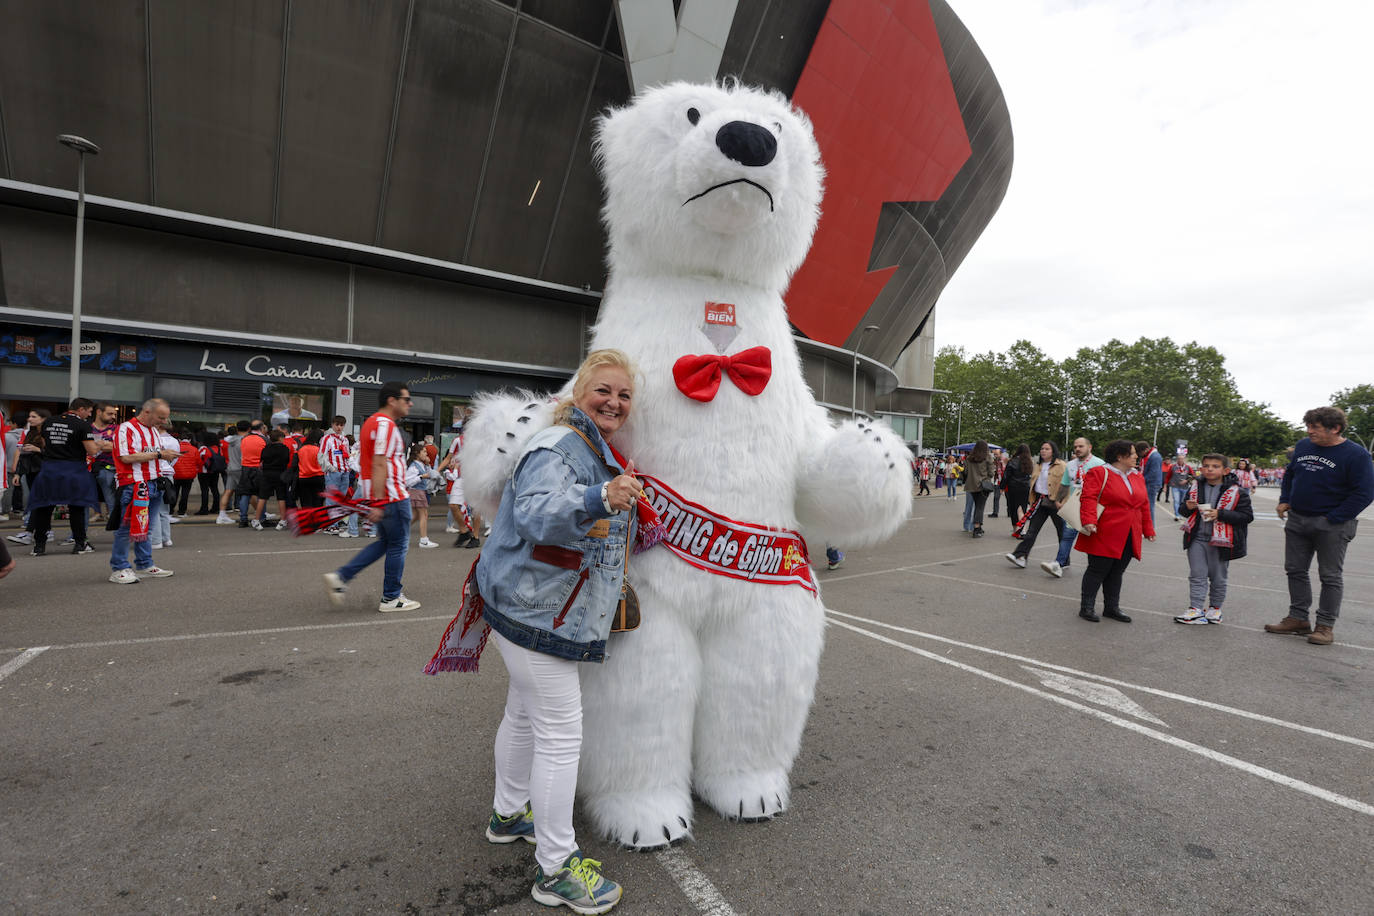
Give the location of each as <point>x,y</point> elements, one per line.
<point>136,454</point>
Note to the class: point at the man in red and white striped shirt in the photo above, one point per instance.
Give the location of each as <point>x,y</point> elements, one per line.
<point>334,455</point>
<point>382,454</point>
<point>136,453</point>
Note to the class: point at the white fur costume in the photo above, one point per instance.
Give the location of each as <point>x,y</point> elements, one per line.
<point>711,694</point>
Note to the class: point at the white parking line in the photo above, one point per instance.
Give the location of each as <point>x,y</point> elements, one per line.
<point>23,659</point>
<point>694,885</point>
<point>1182,698</point>
<point>274,553</point>
<point>1225,759</point>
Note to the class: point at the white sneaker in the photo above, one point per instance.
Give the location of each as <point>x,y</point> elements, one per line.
<point>123,577</point>
<point>5,518</point>
<point>486,532</point>
<point>426,542</point>
<point>157,545</point>
<point>449,529</point>
<point>152,572</point>
<point>174,519</point>
<point>399,603</point>
<point>372,532</point>
<point>166,543</point>
<point>223,519</point>
<point>1053,568</point>
<point>346,534</point>
<point>23,537</point>
<point>1213,615</point>
<point>68,541</point>
<point>270,516</point>
<point>281,526</point>
<point>337,588</point>
<point>1018,562</point>
<point>1192,615</point>
<point>255,525</point>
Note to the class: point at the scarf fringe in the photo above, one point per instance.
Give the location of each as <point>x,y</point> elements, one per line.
<point>461,653</point>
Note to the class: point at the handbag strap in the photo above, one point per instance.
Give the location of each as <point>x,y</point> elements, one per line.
<point>585,438</point>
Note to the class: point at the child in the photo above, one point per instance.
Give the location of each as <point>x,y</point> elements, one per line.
<point>418,475</point>
<point>1214,534</point>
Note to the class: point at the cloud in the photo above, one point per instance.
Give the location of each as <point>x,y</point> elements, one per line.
<point>1191,169</point>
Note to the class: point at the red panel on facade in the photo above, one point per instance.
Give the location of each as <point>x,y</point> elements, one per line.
<point>877,89</point>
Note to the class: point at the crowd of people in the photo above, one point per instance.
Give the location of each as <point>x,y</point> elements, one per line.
<point>138,478</point>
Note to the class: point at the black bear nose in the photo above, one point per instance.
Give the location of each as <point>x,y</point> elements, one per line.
<point>747,144</point>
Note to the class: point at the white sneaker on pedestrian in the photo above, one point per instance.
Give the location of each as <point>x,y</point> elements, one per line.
<point>1018,562</point>
<point>426,542</point>
<point>156,545</point>
<point>399,603</point>
<point>346,534</point>
<point>69,540</point>
<point>223,519</point>
<point>174,519</point>
<point>1213,615</point>
<point>152,572</point>
<point>270,516</point>
<point>449,529</point>
<point>123,577</point>
<point>255,525</point>
<point>486,532</point>
<point>166,543</point>
<point>1193,615</point>
<point>23,537</point>
<point>281,526</point>
<point>1053,568</point>
<point>336,587</point>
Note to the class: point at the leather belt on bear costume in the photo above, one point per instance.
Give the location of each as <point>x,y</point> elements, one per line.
<point>716,544</point>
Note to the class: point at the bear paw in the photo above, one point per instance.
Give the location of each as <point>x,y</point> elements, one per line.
<point>643,821</point>
<point>493,439</point>
<point>746,797</point>
<point>856,489</point>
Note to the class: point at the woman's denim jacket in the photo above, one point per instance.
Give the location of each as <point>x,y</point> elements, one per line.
<point>551,570</point>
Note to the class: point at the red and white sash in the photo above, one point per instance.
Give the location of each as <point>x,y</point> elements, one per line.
<point>1223,533</point>
<point>725,547</point>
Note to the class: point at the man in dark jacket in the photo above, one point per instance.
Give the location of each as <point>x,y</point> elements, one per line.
<point>1219,516</point>
<point>1151,466</point>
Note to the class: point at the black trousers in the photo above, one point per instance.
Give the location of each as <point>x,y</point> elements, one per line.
<point>1018,495</point>
<point>925,487</point>
<point>310,492</point>
<point>1033,527</point>
<point>1105,573</point>
<point>182,495</point>
<point>40,523</point>
<point>209,493</point>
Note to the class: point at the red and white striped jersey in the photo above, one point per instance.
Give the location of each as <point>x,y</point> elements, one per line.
<point>131,438</point>
<point>381,436</point>
<point>333,452</point>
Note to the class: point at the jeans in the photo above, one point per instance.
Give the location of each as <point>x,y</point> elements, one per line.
<point>338,480</point>
<point>973,509</point>
<point>393,540</point>
<point>537,747</point>
<point>143,550</point>
<point>1303,536</point>
<point>949,487</point>
<point>105,483</point>
<point>1066,538</point>
<point>1180,497</point>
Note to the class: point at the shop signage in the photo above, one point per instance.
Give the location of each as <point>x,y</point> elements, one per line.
<point>88,348</point>
<point>260,365</point>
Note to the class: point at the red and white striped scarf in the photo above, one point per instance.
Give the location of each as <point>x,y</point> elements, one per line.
<point>1223,533</point>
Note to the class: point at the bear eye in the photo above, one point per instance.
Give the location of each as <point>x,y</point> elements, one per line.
<point>693,115</point>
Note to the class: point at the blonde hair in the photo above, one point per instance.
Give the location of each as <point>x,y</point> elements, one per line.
<point>597,359</point>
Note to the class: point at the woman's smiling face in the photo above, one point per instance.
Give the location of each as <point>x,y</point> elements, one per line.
<point>607,399</point>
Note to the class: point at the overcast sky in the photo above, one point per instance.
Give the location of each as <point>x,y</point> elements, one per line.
<point>1199,169</point>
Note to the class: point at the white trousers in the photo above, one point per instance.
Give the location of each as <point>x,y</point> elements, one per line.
<point>537,748</point>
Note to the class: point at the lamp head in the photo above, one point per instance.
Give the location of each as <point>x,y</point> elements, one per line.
<point>80,144</point>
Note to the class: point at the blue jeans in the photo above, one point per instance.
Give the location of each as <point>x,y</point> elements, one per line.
<point>1180,497</point>
<point>143,550</point>
<point>105,483</point>
<point>1066,539</point>
<point>338,480</point>
<point>393,540</point>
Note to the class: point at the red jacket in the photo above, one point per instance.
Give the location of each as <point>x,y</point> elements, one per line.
<point>1124,511</point>
<point>188,465</point>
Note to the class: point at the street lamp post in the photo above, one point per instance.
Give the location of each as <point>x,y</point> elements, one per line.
<point>82,147</point>
<point>959,424</point>
<point>854,381</point>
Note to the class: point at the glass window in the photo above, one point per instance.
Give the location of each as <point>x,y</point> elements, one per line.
<point>180,391</point>
<point>300,407</point>
<point>30,381</point>
<point>421,406</point>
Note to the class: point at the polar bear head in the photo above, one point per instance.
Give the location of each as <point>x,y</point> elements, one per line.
<point>721,180</point>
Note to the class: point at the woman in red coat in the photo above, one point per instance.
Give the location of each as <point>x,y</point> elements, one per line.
<point>1112,538</point>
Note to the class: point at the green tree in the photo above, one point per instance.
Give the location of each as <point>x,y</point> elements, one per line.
<point>1358,404</point>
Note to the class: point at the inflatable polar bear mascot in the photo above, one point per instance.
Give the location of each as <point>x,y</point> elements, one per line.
<point>712,196</point>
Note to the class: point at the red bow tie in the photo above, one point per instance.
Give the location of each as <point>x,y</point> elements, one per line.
<point>698,377</point>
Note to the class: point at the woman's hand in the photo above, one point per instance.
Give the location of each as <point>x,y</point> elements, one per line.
<point>1190,504</point>
<point>1090,530</point>
<point>622,491</point>
<point>1209,515</point>
<point>1149,537</point>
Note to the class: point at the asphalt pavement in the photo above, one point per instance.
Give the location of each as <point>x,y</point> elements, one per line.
<point>226,741</point>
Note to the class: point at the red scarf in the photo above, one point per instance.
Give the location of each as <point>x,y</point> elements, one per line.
<point>1223,533</point>
<point>137,513</point>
